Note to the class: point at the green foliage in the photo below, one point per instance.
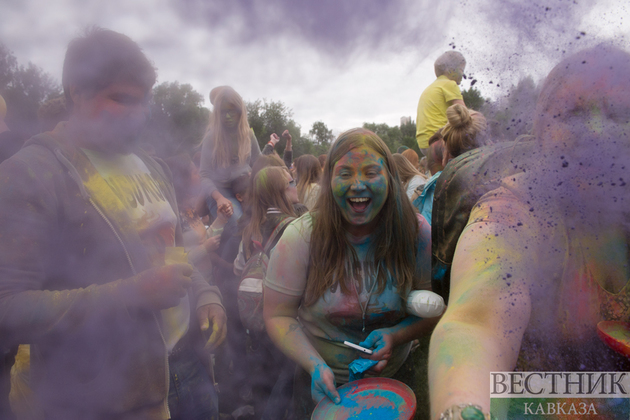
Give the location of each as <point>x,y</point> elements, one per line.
<point>321,134</point>
<point>473,98</point>
<point>395,136</point>
<point>8,66</point>
<point>24,88</point>
<point>304,146</point>
<point>511,116</point>
<point>408,131</point>
<point>268,117</point>
<point>178,119</point>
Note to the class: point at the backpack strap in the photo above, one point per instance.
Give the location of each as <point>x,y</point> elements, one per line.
<point>278,230</point>
<point>417,192</point>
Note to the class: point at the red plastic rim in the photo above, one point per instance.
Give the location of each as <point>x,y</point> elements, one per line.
<point>369,398</point>
<point>616,334</point>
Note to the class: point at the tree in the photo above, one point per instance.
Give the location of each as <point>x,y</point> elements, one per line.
<point>473,98</point>
<point>392,136</point>
<point>303,146</point>
<point>178,119</point>
<point>8,66</point>
<point>321,134</point>
<point>24,89</point>
<point>408,132</point>
<point>395,136</point>
<point>268,117</point>
<point>512,115</point>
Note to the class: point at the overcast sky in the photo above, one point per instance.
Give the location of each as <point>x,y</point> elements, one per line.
<point>343,62</point>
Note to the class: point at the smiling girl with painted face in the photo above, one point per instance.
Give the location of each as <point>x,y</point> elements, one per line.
<point>342,272</point>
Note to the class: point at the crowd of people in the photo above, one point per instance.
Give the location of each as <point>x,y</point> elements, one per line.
<point>222,282</point>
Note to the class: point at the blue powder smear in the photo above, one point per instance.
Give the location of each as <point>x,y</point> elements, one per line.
<point>358,367</point>
<point>362,402</point>
<point>387,409</point>
<point>381,413</point>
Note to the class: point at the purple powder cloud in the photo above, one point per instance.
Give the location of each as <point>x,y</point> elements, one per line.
<point>333,27</point>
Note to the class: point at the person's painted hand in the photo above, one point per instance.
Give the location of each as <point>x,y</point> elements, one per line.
<point>286,135</point>
<point>222,218</point>
<point>323,384</point>
<point>157,288</point>
<point>214,315</point>
<point>381,342</point>
<point>225,206</point>
<point>212,244</point>
<point>274,139</point>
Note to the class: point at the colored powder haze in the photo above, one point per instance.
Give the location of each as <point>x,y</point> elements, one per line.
<point>343,63</point>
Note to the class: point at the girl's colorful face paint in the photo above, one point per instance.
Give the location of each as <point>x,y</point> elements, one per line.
<point>359,184</point>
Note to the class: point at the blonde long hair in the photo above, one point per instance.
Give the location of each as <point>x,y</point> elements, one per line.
<point>332,259</point>
<point>406,170</point>
<point>269,190</point>
<point>220,138</point>
<point>309,171</point>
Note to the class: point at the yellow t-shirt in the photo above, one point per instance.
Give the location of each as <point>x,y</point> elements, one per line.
<point>432,108</point>
<point>153,218</point>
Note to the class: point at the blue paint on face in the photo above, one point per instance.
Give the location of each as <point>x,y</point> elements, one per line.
<point>359,185</point>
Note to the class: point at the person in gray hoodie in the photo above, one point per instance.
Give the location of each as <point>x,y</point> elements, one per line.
<point>92,275</point>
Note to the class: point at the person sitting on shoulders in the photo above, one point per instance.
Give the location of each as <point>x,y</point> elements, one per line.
<point>438,96</point>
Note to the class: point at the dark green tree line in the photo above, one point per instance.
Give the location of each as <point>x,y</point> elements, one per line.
<point>473,98</point>
<point>24,88</point>
<point>178,119</point>
<point>396,136</point>
<point>512,115</point>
